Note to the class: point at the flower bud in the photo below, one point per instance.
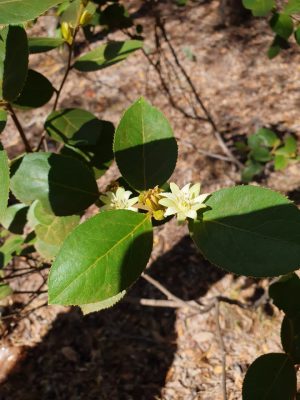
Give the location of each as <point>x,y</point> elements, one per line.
<point>67,32</point>
<point>150,201</point>
<point>85,18</point>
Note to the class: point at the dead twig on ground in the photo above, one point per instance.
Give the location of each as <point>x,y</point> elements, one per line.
<point>222,347</point>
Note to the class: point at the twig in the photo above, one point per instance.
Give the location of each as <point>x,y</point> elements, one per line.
<point>30,292</point>
<point>222,346</point>
<point>152,302</point>
<point>205,152</point>
<point>66,74</point>
<point>210,119</point>
<point>19,128</point>
<point>168,294</point>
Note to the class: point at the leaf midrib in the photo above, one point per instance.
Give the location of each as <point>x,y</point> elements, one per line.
<point>275,379</point>
<point>249,231</point>
<point>102,256</point>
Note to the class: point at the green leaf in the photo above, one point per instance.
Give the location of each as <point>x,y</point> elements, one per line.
<point>290,337</point>
<point>282,25</point>
<point>64,185</point>
<point>277,45</point>
<point>14,218</point>
<point>101,258</point>
<point>11,246</point>
<point>75,127</point>
<point>251,231</point>
<point>5,291</point>
<point>261,154</point>
<point>259,8</point>
<point>32,220</point>
<point>270,377</point>
<point>102,305</point>
<point>289,149</point>
<point>263,138</point>
<point>107,55</point>
<point>43,44</point>
<point>285,294</point>
<point>145,148</point>
<point>71,14</point>
<point>46,250</point>
<point>56,230</point>
<point>51,231</point>
<point>4,181</point>
<point>251,169</point>
<point>292,7</point>
<point>17,11</point>
<point>3,120</point>
<point>37,91</point>
<point>280,162</point>
<point>267,137</point>
<point>13,61</point>
<point>297,31</point>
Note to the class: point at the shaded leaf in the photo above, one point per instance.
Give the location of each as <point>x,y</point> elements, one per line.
<point>101,258</point>
<point>261,154</point>
<point>46,250</point>
<point>285,294</point>
<point>251,169</point>
<point>13,61</point>
<point>55,229</point>
<point>64,185</point>
<point>290,337</point>
<point>107,55</point>
<point>4,181</point>
<point>37,91</point>
<point>270,377</point>
<point>251,231</point>
<point>145,148</point>
<point>75,127</point>
<point>11,246</point>
<point>277,45</point>
<point>3,120</point>
<point>43,44</point>
<point>282,25</point>
<point>15,218</point>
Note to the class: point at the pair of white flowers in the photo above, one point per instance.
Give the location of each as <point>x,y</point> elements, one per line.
<point>184,203</point>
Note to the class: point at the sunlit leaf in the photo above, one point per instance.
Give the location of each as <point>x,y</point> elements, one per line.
<point>251,231</point>
<point>145,148</point>
<point>101,258</point>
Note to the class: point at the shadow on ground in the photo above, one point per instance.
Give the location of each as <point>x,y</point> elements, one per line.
<point>121,353</point>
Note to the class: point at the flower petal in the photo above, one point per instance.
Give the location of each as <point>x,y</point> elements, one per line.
<point>175,189</point>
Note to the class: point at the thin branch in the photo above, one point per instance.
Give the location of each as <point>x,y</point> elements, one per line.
<point>19,128</point>
<point>222,346</point>
<point>152,302</point>
<point>205,152</point>
<point>66,74</point>
<point>30,292</point>
<point>168,294</point>
<point>209,117</point>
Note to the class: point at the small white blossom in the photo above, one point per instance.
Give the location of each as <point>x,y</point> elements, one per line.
<point>184,202</point>
<point>118,200</point>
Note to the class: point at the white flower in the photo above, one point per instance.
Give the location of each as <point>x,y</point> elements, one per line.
<point>118,200</point>
<point>184,202</point>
